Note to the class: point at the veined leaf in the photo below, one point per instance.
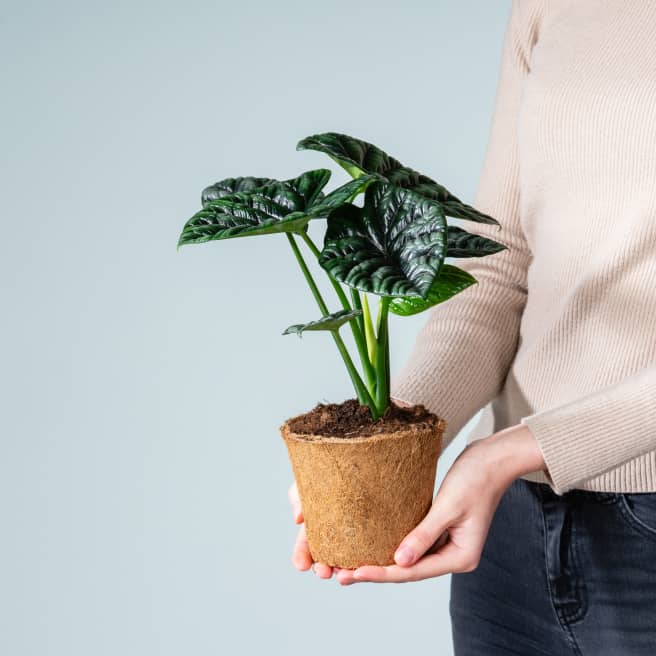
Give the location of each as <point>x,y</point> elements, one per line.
<point>461,243</point>
<point>359,157</point>
<point>330,322</point>
<point>449,281</point>
<point>231,185</point>
<point>344,194</point>
<point>393,246</point>
<point>310,184</point>
<point>275,207</point>
<point>460,210</point>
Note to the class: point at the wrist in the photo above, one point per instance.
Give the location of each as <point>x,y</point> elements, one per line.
<point>513,452</point>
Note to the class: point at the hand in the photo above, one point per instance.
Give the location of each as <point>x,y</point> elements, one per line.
<point>463,507</point>
<point>301,558</point>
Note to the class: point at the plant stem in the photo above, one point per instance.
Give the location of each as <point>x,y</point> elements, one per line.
<point>370,335</point>
<point>357,305</point>
<point>308,276</point>
<point>382,356</point>
<point>360,388</point>
<point>355,324</point>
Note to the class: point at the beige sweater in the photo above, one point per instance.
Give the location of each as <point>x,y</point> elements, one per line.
<point>560,331</point>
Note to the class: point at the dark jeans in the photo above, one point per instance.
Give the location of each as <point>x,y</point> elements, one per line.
<point>570,574</point>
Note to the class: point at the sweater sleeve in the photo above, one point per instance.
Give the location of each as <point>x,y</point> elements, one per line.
<point>597,432</point>
<point>464,350</point>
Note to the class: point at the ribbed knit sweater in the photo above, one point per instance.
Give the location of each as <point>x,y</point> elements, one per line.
<point>559,334</point>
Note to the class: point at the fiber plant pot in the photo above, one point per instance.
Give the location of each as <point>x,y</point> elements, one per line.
<point>362,495</point>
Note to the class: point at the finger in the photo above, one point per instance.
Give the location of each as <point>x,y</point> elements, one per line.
<point>301,558</point>
<point>428,533</point>
<point>449,559</point>
<point>295,502</point>
<point>322,570</point>
<point>401,403</point>
<point>344,576</point>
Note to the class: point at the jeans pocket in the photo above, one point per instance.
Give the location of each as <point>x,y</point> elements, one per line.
<point>639,509</point>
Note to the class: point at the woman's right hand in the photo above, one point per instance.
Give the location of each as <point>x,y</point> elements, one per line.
<point>301,558</point>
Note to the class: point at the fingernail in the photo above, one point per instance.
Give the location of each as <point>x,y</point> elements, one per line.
<point>404,556</point>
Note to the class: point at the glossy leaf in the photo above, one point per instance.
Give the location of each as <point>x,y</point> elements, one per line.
<point>459,210</point>
<point>310,184</point>
<point>231,185</point>
<point>450,281</point>
<point>393,246</point>
<point>461,243</point>
<point>272,208</point>
<point>344,194</point>
<point>330,322</point>
<point>359,157</point>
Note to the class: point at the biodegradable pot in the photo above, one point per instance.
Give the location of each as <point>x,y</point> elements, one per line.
<point>362,495</point>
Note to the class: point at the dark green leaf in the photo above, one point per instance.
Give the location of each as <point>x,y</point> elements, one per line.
<point>461,243</point>
<point>393,246</point>
<point>275,207</point>
<point>310,184</point>
<point>230,185</point>
<point>359,157</point>
<point>330,322</point>
<point>450,281</point>
<point>460,210</point>
<point>354,155</point>
<point>344,194</point>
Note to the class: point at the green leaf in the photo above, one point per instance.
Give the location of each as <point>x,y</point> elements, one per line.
<point>338,197</point>
<point>450,281</point>
<point>310,184</point>
<point>393,246</point>
<point>359,157</point>
<point>354,155</point>
<point>460,210</point>
<point>272,208</point>
<point>461,243</point>
<point>231,185</point>
<point>331,322</point>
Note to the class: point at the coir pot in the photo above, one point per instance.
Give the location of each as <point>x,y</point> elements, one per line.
<point>362,495</point>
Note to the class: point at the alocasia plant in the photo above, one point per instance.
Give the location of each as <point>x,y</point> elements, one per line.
<point>392,245</point>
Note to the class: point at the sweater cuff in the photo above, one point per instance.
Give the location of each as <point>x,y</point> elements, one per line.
<point>595,433</point>
<point>551,436</point>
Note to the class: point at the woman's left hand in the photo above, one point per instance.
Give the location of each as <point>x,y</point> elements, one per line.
<point>463,508</point>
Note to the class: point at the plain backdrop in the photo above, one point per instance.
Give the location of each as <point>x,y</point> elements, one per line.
<point>143,482</point>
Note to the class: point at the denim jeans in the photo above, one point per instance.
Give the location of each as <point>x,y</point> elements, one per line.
<point>561,574</point>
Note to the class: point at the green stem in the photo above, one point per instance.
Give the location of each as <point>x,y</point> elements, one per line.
<point>308,276</point>
<point>357,305</point>
<point>361,390</point>
<point>382,356</point>
<point>358,335</point>
<point>370,335</point>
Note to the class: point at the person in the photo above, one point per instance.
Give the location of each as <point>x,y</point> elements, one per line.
<point>548,516</point>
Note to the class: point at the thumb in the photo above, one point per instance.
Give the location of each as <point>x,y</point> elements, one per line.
<point>429,534</point>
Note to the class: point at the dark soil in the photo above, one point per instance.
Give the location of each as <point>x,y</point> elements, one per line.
<point>350,419</point>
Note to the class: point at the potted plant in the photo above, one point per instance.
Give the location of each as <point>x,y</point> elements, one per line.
<point>365,468</point>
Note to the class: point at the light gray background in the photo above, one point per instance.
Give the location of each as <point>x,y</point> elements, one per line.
<point>142,479</point>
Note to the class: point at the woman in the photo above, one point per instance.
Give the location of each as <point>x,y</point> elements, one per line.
<point>550,520</point>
